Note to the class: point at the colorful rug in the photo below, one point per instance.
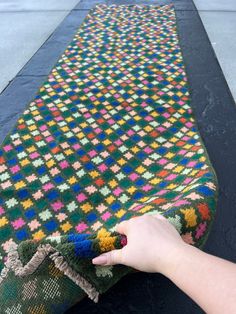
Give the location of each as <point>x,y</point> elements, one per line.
<point>109,136</point>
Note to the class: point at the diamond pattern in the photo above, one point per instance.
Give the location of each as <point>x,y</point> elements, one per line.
<point>109,136</point>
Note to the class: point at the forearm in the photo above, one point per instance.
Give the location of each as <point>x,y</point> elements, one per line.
<point>209,280</point>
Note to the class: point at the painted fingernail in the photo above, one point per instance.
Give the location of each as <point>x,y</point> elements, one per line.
<point>100,260</point>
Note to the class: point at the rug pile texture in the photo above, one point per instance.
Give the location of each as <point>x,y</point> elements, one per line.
<point>109,136</point>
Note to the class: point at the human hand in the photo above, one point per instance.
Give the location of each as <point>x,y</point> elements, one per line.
<point>153,245</point>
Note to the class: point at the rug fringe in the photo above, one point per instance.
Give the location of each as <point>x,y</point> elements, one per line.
<point>14,263</point>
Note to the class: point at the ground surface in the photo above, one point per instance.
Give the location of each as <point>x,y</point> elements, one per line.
<point>214,110</point>
<point>219,19</point>
<point>25,25</point>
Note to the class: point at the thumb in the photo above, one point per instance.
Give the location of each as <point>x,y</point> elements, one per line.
<point>109,258</point>
<point>159,216</point>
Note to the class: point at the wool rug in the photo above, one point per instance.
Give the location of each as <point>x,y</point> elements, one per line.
<point>109,136</point>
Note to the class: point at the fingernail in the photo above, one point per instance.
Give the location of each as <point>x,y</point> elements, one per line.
<point>100,260</point>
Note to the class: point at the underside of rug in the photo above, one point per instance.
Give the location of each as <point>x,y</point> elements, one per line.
<point>109,136</point>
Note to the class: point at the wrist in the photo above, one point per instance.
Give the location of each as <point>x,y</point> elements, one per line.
<point>178,256</point>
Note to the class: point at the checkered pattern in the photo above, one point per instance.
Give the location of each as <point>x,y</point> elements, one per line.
<point>109,136</point>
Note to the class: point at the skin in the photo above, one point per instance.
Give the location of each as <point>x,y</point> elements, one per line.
<point>209,280</point>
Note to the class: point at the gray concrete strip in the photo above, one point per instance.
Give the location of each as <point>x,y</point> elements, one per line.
<point>221,29</point>
<point>42,62</point>
<point>21,35</point>
<point>215,5</point>
<point>23,5</point>
<point>25,25</point>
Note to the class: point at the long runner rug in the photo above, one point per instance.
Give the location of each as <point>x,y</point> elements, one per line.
<point>109,136</point>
